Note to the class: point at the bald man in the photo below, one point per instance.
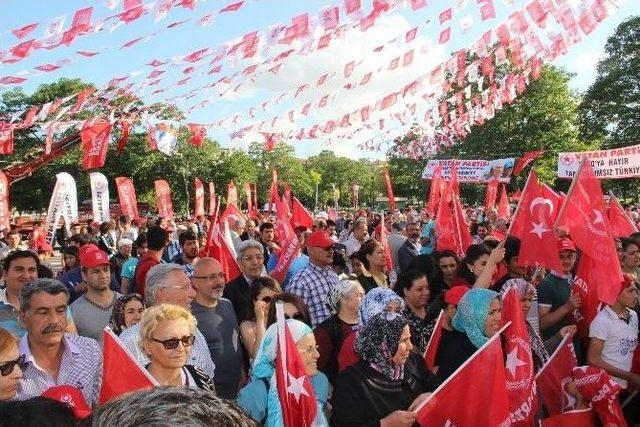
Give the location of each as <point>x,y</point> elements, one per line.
<point>217,322</point>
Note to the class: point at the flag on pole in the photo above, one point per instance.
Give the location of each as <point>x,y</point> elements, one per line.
<point>300,215</point>
<point>432,346</point>
<point>554,376</point>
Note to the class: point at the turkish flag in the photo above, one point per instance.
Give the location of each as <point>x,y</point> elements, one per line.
<point>577,418</point>
<point>584,285</point>
<point>198,197</point>
<point>432,346</point>
<point>212,198</point>
<point>124,135</point>
<point>521,385</point>
<point>435,189</point>
<point>300,215</point>
<point>451,226</point>
<point>121,373</point>
<point>584,216</point>
<point>621,224</point>
<point>525,160</point>
<point>503,207</point>
<point>553,377</point>
<point>232,214</point>
<point>295,392</point>
<point>288,241</point>
<point>198,134</point>
<point>387,183</point>
<point>127,197</point>
<point>6,138</point>
<point>232,194</point>
<point>218,248</point>
<point>531,223</point>
<point>482,378</point>
<point>491,195</point>
<point>163,199</point>
<point>95,141</point>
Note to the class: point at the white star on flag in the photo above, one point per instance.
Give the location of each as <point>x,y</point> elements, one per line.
<point>513,362</point>
<point>538,229</point>
<point>296,386</point>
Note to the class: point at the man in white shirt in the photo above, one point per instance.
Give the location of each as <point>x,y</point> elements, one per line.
<point>614,336</point>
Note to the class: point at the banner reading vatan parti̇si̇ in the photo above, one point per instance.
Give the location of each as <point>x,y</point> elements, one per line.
<point>473,170</point>
<point>609,164</point>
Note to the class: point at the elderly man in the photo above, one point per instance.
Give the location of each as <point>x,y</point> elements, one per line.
<point>217,322</point>
<point>357,236</point>
<point>168,284</point>
<point>117,261</point>
<point>54,357</point>
<point>314,282</point>
<point>251,261</point>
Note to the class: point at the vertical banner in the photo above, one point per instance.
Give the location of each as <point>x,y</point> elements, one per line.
<point>247,194</point>
<point>212,198</point>
<point>387,183</point>
<point>232,194</point>
<point>60,204</point>
<point>288,241</point>
<point>355,189</point>
<point>199,197</point>
<point>95,141</point>
<point>491,196</point>
<point>127,197</point>
<point>274,196</point>
<point>99,197</point>
<point>70,206</point>
<point>435,190</point>
<point>163,199</point>
<point>255,201</point>
<point>5,212</point>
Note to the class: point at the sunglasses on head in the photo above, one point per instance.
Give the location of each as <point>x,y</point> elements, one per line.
<point>172,343</point>
<point>297,316</point>
<point>266,299</point>
<point>7,367</point>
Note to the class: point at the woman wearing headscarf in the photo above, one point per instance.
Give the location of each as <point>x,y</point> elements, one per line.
<point>476,320</point>
<point>259,398</point>
<point>374,302</point>
<point>345,300</point>
<point>539,349</point>
<point>127,311</point>
<point>384,387</point>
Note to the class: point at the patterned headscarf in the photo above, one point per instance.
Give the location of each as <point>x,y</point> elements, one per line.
<point>378,342</point>
<point>264,366</point>
<point>337,292</point>
<point>116,322</point>
<point>375,302</point>
<point>472,312</point>
<point>522,286</point>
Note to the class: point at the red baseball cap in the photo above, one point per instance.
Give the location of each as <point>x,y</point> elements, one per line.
<point>320,239</point>
<point>70,396</point>
<point>566,244</point>
<point>455,294</point>
<point>91,256</point>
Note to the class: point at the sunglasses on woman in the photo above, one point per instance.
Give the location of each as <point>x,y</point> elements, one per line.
<point>7,367</point>
<point>172,343</point>
<point>297,316</point>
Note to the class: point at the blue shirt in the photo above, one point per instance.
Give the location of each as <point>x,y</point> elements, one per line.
<point>426,232</point>
<point>296,265</point>
<point>129,268</point>
<point>171,251</point>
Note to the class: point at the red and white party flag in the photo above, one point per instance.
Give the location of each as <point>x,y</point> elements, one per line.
<point>389,187</point>
<point>554,376</point>
<point>232,194</point>
<point>487,389</point>
<point>295,391</point>
<point>198,134</point>
<point>435,189</point>
<point>418,4</point>
<point>23,49</point>
<point>198,188</point>
<point>491,195</point>
<point>116,361</point>
<point>163,199</point>
<point>352,6</point>
<point>23,31</point>
<point>431,351</point>
<point>330,17</point>
<point>621,224</point>
<point>446,15</point>
<point>127,197</point>
<point>231,7</point>
<point>125,127</point>
<point>133,9</point>
<point>504,210</point>
<point>525,160</point>
<point>584,216</point>
<point>95,142</point>
<point>212,198</point>
<point>289,244</point>
<point>274,196</point>
<point>6,138</point>
<point>5,211</point>
<point>532,224</point>
<point>585,286</point>
<point>521,386</point>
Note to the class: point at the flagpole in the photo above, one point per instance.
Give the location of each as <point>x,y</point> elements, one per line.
<point>466,362</point>
<point>571,188</point>
<point>519,207</point>
<point>431,337</point>
<point>555,353</point>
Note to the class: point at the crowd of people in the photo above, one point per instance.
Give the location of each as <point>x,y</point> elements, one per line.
<point>210,341</point>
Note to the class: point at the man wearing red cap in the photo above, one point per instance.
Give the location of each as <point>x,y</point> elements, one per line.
<point>555,301</point>
<point>314,281</point>
<point>92,311</point>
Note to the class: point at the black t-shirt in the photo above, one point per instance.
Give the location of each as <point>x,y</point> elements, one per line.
<point>454,349</point>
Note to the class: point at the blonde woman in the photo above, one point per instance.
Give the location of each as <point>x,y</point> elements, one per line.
<point>12,364</point>
<point>167,334</point>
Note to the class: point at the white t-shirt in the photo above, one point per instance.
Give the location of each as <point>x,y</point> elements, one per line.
<point>620,339</point>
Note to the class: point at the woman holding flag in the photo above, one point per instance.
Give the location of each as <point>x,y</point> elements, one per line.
<point>260,398</point>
